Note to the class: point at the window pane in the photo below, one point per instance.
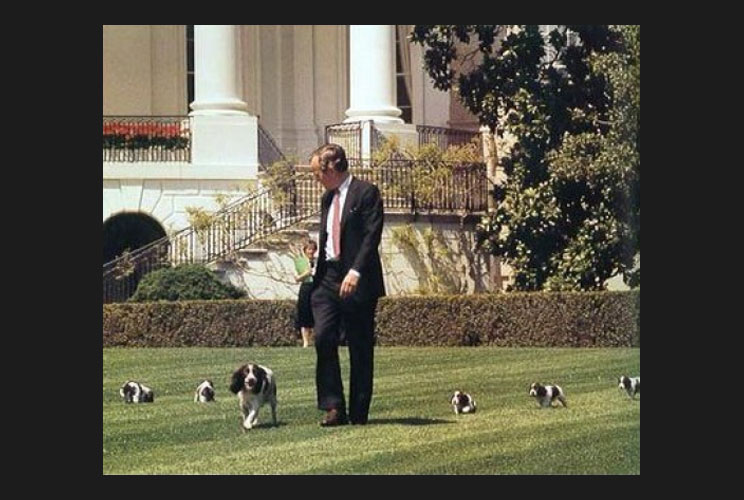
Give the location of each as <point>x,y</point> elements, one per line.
<point>403,99</point>
<point>190,58</point>
<point>189,65</point>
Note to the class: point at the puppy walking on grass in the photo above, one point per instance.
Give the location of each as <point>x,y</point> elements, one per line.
<point>546,394</point>
<point>134,392</point>
<point>462,402</point>
<point>204,392</point>
<point>631,385</point>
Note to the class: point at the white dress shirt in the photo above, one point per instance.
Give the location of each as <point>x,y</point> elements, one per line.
<point>343,190</point>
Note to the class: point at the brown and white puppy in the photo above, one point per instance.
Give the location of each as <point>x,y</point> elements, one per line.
<point>134,392</point>
<point>255,386</point>
<point>463,402</point>
<point>546,394</point>
<point>204,392</point>
<point>632,385</point>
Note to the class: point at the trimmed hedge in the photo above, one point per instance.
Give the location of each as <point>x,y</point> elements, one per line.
<point>576,319</point>
<point>571,319</point>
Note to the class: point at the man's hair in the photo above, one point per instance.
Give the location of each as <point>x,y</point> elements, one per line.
<point>331,156</point>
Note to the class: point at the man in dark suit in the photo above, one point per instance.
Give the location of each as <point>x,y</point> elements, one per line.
<point>347,284</point>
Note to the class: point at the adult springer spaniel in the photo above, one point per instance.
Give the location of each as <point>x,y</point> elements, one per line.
<point>255,386</point>
<point>204,392</point>
<point>134,392</point>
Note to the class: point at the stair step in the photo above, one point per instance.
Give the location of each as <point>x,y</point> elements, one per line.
<point>310,224</point>
<point>294,231</point>
<point>253,251</point>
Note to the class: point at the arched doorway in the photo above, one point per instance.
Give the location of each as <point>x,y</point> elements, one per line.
<point>128,231</point>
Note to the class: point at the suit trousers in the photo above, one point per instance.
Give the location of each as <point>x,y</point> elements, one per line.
<point>333,316</point>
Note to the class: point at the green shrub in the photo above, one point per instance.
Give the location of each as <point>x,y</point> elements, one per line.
<point>185,282</point>
<point>571,319</point>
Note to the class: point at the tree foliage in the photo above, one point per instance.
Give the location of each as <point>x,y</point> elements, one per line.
<point>568,215</point>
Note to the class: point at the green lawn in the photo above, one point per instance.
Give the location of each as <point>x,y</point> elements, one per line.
<point>412,428</point>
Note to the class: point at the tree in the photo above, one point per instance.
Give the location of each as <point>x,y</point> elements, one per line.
<point>568,214</point>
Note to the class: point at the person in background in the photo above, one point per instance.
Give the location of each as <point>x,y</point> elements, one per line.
<point>305,267</point>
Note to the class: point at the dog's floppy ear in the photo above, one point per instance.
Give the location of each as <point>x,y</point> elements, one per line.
<point>238,379</point>
<point>260,378</point>
<point>126,391</point>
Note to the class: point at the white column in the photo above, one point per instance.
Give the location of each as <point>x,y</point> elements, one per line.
<point>217,83</point>
<point>372,74</point>
<point>224,134</point>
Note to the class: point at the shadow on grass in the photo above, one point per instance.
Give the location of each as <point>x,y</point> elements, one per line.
<point>266,425</point>
<point>409,421</point>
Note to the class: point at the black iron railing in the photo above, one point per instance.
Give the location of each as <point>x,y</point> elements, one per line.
<point>406,186</point>
<point>146,138</point>
<point>353,136</point>
<point>268,152</point>
<point>233,228</point>
<point>445,137</point>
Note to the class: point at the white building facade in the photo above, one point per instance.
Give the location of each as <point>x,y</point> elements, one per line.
<point>217,85</point>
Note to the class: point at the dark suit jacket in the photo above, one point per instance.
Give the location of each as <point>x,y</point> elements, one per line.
<point>361,232</point>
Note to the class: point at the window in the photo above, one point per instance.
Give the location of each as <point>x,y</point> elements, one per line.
<point>189,65</point>
<point>404,100</point>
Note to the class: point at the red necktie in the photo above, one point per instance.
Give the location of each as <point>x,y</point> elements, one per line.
<point>336,224</point>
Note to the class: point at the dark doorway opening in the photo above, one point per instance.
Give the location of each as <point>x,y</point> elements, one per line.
<point>128,231</point>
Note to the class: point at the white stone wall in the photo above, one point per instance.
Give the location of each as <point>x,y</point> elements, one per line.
<point>127,74</point>
<point>166,200</point>
<point>144,70</point>
<point>418,256</point>
<point>429,105</point>
<point>299,75</point>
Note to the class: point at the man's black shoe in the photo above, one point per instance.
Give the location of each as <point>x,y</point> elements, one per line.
<point>333,418</point>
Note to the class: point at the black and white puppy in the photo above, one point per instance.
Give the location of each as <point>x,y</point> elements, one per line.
<point>462,402</point>
<point>134,392</point>
<point>255,386</point>
<point>204,392</point>
<point>546,394</point>
<point>632,385</point>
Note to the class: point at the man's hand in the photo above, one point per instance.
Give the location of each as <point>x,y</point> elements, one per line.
<point>349,285</point>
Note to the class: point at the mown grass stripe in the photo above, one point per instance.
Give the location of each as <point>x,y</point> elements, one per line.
<point>412,427</point>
